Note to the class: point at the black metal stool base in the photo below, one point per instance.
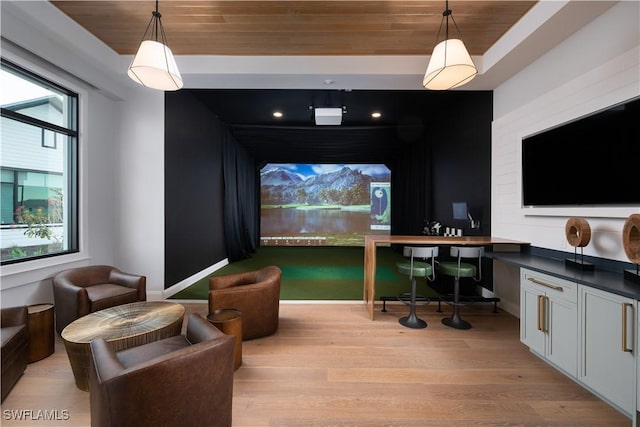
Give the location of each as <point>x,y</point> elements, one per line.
<point>456,322</point>
<point>412,321</point>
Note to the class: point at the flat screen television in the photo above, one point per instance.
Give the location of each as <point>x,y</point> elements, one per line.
<point>592,161</point>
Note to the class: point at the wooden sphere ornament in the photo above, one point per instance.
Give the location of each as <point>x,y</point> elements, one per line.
<point>631,238</point>
<point>578,232</point>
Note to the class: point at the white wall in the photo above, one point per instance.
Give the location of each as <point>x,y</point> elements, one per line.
<point>121,152</point>
<point>139,179</point>
<point>596,67</point>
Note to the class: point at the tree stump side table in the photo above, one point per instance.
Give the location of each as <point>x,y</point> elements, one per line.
<point>41,331</point>
<point>229,321</point>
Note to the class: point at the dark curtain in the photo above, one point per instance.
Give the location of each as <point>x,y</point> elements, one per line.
<point>411,186</point>
<point>241,213</point>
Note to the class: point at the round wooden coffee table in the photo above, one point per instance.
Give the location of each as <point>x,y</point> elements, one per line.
<point>122,326</point>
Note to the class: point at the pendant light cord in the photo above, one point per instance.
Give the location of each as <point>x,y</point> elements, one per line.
<point>445,20</point>
<point>156,15</point>
<point>157,29</point>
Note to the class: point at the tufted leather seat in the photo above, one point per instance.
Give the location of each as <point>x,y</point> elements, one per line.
<point>451,269</point>
<point>256,294</point>
<point>186,380</point>
<point>15,346</point>
<point>80,291</point>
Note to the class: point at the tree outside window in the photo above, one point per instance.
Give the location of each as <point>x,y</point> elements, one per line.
<point>38,165</point>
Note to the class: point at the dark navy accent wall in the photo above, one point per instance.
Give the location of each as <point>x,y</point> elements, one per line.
<point>461,160</point>
<point>461,164</point>
<point>194,188</point>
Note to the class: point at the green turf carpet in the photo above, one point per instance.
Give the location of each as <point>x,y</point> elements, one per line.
<point>319,273</point>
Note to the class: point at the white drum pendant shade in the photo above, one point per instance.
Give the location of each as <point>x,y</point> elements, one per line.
<point>450,66</point>
<point>155,67</point>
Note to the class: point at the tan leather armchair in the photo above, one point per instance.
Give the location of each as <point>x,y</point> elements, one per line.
<point>256,294</point>
<point>15,346</point>
<point>186,380</point>
<point>80,291</point>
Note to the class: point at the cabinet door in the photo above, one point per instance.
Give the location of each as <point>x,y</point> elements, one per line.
<point>530,318</point>
<point>562,335</point>
<point>608,347</point>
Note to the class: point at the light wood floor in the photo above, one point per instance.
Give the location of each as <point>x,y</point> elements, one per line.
<point>328,365</point>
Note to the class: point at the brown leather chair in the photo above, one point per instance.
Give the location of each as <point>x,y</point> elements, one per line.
<point>80,291</point>
<point>256,294</point>
<point>14,333</point>
<point>186,380</point>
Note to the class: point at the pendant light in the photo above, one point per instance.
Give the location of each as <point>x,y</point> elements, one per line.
<point>450,65</point>
<point>154,65</point>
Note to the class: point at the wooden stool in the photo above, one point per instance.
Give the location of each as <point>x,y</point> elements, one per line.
<point>229,321</point>
<point>41,331</point>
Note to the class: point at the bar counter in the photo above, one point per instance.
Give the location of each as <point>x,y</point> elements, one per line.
<point>371,241</point>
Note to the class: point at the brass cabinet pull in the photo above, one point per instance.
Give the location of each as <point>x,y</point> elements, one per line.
<point>542,327</point>
<point>625,309</point>
<point>548,285</point>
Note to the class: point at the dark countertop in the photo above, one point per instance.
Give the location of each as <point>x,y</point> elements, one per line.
<point>609,281</point>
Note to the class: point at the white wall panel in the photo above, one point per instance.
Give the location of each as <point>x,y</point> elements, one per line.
<point>607,74</point>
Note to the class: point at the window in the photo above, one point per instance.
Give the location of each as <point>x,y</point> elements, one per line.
<point>38,167</point>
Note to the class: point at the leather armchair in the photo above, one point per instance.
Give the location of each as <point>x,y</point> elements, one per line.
<point>256,294</point>
<point>186,380</point>
<point>80,291</point>
<point>15,346</point>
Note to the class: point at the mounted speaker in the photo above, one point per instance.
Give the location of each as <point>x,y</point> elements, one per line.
<point>328,116</point>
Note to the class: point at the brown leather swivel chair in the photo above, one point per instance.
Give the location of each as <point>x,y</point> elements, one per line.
<point>186,380</point>
<point>15,346</point>
<point>256,294</point>
<point>80,291</point>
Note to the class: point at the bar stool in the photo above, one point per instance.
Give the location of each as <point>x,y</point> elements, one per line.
<point>414,268</point>
<point>458,269</point>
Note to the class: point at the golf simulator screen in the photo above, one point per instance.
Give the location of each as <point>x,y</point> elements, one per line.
<point>322,204</point>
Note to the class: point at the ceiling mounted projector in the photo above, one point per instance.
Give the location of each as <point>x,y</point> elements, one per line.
<point>328,116</point>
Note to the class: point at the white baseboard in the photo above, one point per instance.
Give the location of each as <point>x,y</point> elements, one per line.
<point>183,284</point>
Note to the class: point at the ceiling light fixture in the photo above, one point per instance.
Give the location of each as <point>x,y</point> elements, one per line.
<point>277,114</point>
<point>154,65</point>
<point>376,115</point>
<point>450,65</point>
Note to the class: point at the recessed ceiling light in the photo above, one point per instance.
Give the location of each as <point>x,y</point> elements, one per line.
<point>277,114</point>
<point>376,115</point>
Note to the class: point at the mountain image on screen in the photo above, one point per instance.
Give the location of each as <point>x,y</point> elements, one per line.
<point>333,205</point>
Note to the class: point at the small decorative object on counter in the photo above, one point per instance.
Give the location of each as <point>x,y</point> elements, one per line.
<point>578,234</point>
<point>631,245</point>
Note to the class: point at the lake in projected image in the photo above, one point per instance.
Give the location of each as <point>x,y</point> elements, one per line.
<point>333,205</point>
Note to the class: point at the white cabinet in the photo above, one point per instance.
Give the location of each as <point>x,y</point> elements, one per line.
<point>607,346</point>
<point>549,319</point>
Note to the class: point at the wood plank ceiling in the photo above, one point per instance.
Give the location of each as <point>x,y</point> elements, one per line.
<point>399,27</point>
